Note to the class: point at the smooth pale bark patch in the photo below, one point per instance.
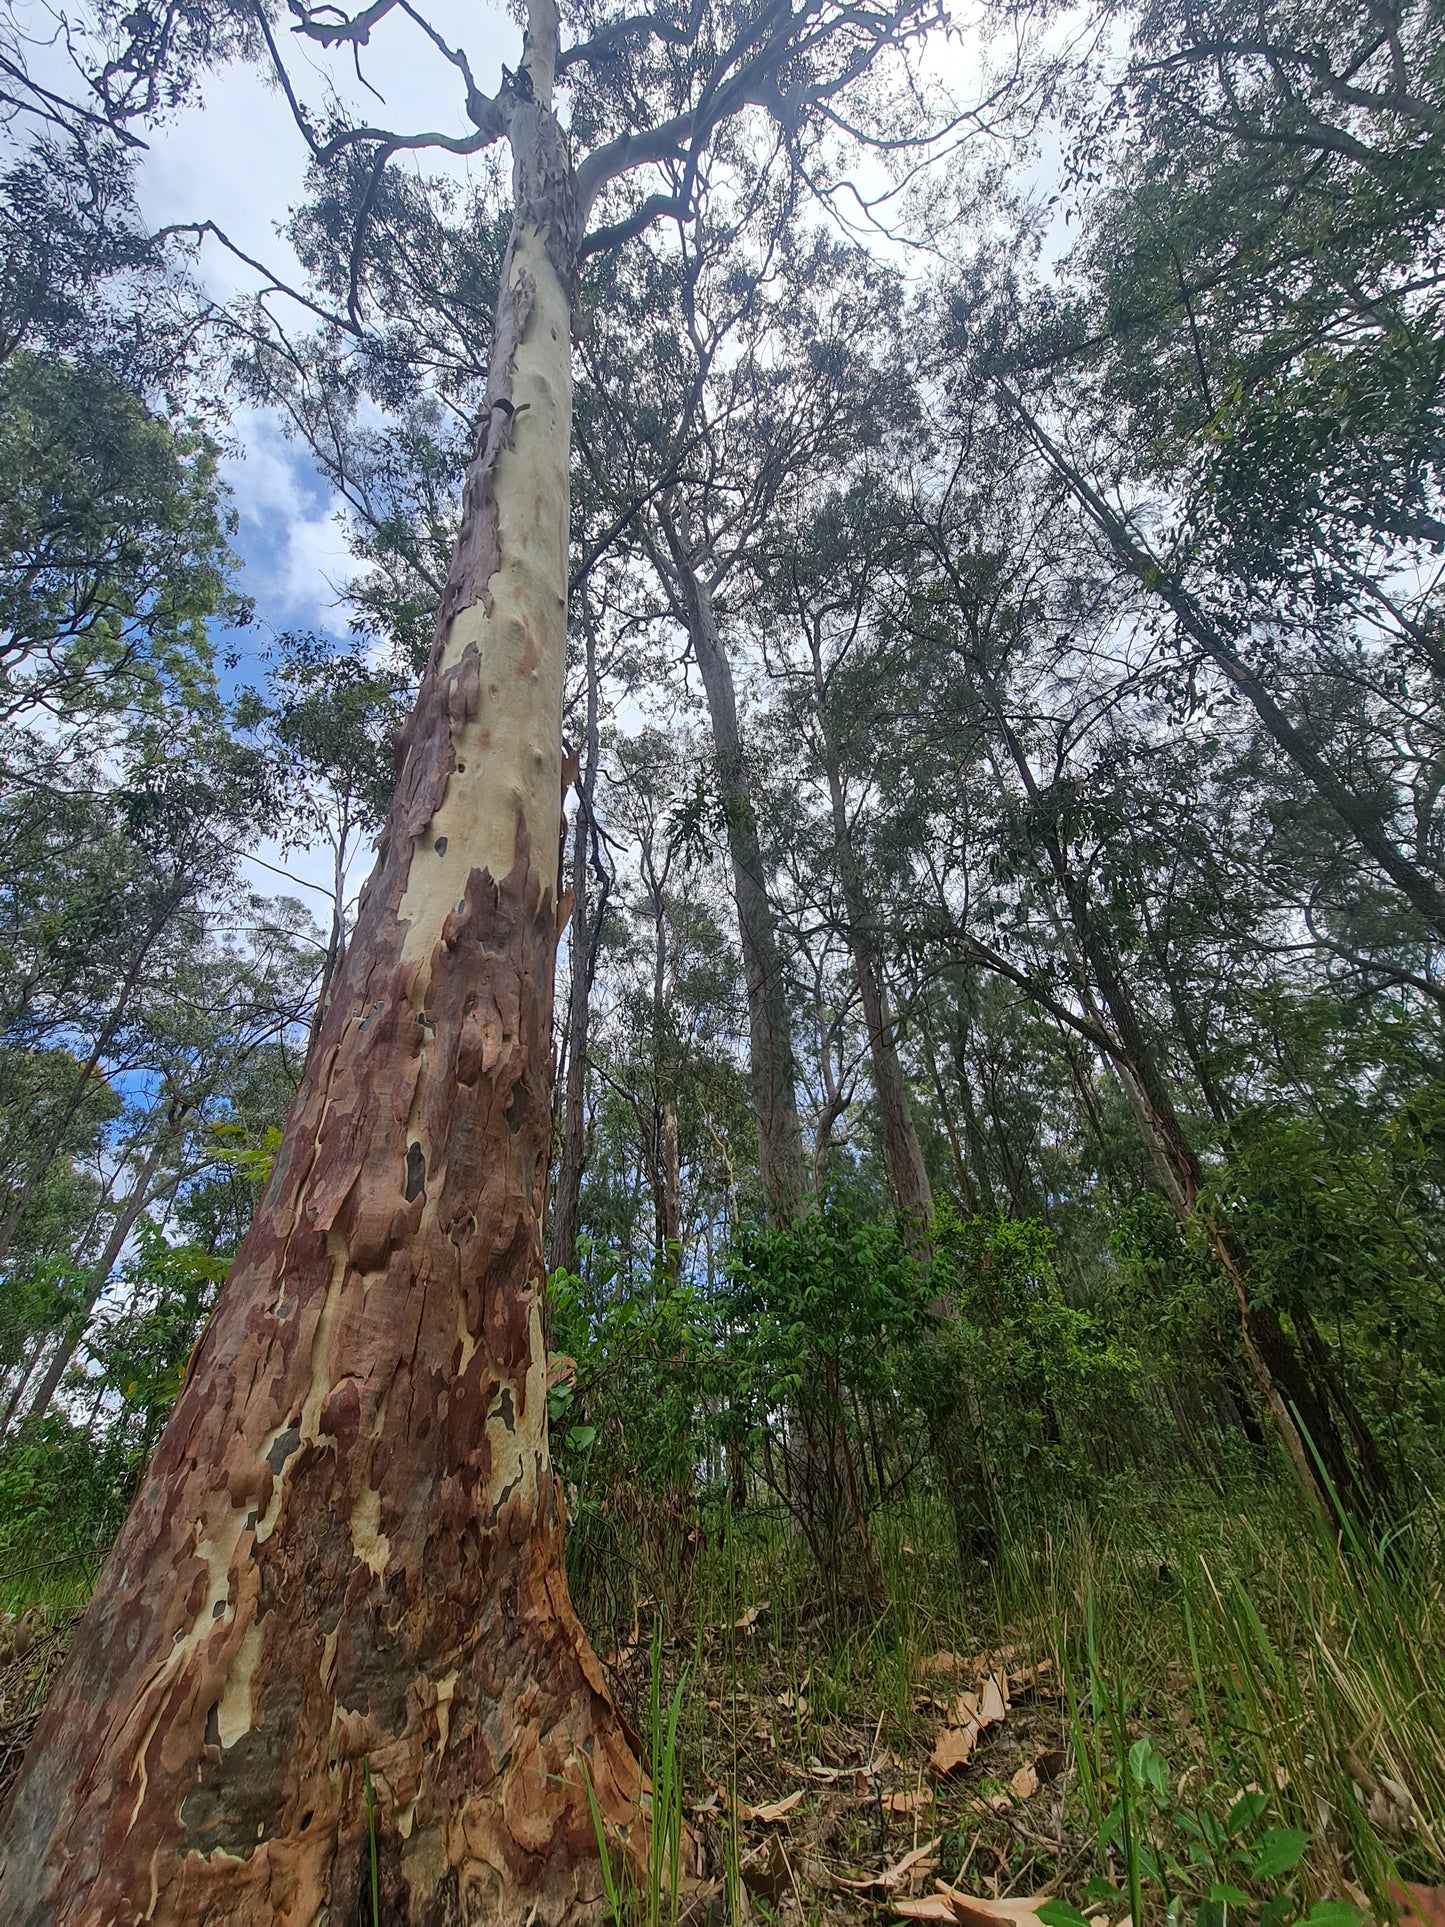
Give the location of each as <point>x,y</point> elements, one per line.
<point>501,651</point>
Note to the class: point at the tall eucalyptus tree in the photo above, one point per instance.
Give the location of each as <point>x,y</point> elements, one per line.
<point>352,1504</point>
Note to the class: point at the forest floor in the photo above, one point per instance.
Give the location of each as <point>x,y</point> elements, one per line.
<point>1180,1710</point>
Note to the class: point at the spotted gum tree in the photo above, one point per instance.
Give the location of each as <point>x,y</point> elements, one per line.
<point>344,1565</point>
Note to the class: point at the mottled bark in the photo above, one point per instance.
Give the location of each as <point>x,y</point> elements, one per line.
<point>782,1160</point>
<point>348,1549</point>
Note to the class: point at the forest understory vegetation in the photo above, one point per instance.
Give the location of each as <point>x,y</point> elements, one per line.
<point>726,1202</point>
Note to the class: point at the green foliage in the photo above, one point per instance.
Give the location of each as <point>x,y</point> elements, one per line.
<point>817,1308</point>
<point>1040,1374</point>
<point>114,541</point>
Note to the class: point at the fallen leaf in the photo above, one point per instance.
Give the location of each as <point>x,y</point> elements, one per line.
<point>949,1663</point>
<point>750,1618</point>
<point>1025,1783</point>
<point>816,1873</point>
<point>1419,1906</point>
<point>920,1861</point>
<point>910,1802</point>
<point>951,1749</point>
<point>992,1705</point>
<point>971,1910</point>
<point>774,1810</point>
<point>926,1907</point>
<point>767,1872</point>
<point>1031,1679</point>
<point>1050,1764</point>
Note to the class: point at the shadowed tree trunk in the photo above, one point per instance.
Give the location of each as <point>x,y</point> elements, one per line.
<point>347,1554</point>
<point>586,923</point>
<point>902,1153</point>
<point>782,1160</point>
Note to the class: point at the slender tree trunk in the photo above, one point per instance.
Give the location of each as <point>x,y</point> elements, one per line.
<point>26,1370</point>
<point>72,1334</point>
<point>80,1088</point>
<point>902,1153</point>
<point>345,1563</point>
<point>1284,1390</point>
<point>968,1196</point>
<point>1358,814</point>
<point>336,941</point>
<point>782,1160</point>
<point>566,1198</point>
<point>671,1253</point>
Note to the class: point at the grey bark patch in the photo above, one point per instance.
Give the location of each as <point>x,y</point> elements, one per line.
<point>415,1172</point>
<point>285,1445</point>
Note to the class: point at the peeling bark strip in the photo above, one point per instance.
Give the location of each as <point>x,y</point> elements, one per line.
<point>349,1546</point>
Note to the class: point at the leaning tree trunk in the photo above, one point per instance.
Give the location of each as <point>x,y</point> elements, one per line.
<point>345,1563</point>
<point>783,1162</point>
<point>70,1339</point>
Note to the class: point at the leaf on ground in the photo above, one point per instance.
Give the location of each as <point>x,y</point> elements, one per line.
<point>984,1708</point>
<point>910,1802</point>
<point>972,1910</point>
<point>1033,1679</point>
<point>767,1872</point>
<point>1419,1906</point>
<point>775,1809</point>
<point>922,1860</point>
<point>1025,1783</point>
<point>926,1907</point>
<point>750,1618</point>
<point>992,1705</point>
<point>951,1663</point>
<point>951,1749</point>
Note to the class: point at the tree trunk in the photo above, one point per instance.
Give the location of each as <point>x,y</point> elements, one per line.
<point>1358,813</point>
<point>567,1196</point>
<point>84,1081</point>
<point>72,1334</point>
<point>1283,1388</point>
<point>902,1153</point>
<point>345,1561</point>
<point>782,1161</point>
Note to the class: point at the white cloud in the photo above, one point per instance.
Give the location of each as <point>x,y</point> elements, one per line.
<point>291,536</point>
